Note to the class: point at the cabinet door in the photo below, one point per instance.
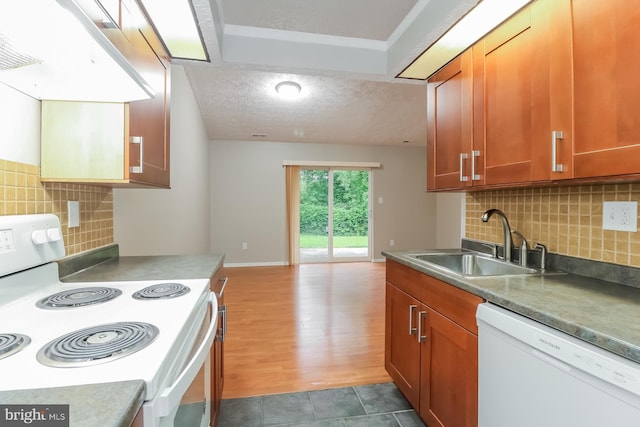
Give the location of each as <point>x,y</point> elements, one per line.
<point>449,131</point>
<point>216,380</point>
<point>217,285</point>
<point>449,374</point>
<point>555,151</point>
<point>509,91</point>
<point>606,86</point>
<point>149,119</point>
<point>82,141</point>
<point>402,349</point>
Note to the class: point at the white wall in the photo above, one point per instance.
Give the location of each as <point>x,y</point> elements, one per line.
<point>450,218</point>
<point>175,221</point>
<point>244,198</point>
<point>248,197</point>
<point>19,127</point>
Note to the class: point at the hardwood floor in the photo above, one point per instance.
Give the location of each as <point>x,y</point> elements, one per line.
<point>308,327</point>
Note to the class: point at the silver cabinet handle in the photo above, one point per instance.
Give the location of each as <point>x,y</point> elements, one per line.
<point>137,140</point>
<point>412,329</point>
<point>463,157</point>
<point>222,315</point>
<point>421,315</point>
<point>474,154</point>
<point>555,136</point>
<point>224,284</point>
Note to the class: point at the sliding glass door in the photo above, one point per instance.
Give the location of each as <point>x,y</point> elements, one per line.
<point>334,215</point>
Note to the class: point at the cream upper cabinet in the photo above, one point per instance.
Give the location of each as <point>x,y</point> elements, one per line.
<point>83,141</point>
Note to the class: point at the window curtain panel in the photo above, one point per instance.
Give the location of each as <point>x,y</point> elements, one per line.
<point>292,178</point>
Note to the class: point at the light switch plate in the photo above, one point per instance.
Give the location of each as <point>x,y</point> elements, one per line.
<point>73,212</point>
<point>620,216</point>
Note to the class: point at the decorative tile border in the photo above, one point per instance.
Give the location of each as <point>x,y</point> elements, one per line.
<point>22,193</point>
<point>566,219</point>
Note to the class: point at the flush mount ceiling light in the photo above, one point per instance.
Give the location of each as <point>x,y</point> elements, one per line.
<point>483,18</point>
<point>288,89</point>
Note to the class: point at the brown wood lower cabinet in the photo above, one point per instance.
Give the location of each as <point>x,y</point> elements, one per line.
<point>138,421</point>
<point>402,349</point>
<point>431,346</point>
<point>449,374</point>
<point>218,283</point>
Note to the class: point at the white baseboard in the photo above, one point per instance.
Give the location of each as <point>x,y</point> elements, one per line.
<point>255,264</point>
<point>275,263</point>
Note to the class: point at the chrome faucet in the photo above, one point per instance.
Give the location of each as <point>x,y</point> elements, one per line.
<point>506,229</point>
<point>524,247</point>
<point>543,255</point>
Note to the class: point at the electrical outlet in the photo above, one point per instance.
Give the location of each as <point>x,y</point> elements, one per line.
<point>392,242</point>
<point>73,213</point>
<point>620,216</point>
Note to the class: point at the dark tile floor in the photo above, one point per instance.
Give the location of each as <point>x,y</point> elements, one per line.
<point>376,405</point>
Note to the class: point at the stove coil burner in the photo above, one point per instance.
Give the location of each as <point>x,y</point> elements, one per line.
<point>12,343</point>
<point>79,297</point>
<point>162,291</point>
<point>98,344</point>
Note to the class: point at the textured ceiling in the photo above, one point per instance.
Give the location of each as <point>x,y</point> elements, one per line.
<point>330,110</point>
<point>367,19</point>
<point>344,53</point>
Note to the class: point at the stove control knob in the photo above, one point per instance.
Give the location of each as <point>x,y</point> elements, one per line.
<point>53,234</point>
<point>39,237</point>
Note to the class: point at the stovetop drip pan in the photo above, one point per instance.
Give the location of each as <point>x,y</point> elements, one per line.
<point>97,344</point>
<point>79,297</point>
<point>162,291</point>
<point>12,343</point>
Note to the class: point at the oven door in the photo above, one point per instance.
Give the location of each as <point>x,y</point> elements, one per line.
<point>187,402</point>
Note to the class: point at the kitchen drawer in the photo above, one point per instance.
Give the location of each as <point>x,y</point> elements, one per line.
<point>451,302</point>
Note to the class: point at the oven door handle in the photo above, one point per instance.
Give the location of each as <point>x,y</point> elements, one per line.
<point>170,398</point>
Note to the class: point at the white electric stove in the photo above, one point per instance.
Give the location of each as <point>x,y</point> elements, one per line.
<point>54,334</point>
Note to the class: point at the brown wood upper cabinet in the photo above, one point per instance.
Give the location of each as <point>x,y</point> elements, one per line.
<point>606,67</point>
<point>149,119</point>
<point>488,109</point>
<point>431,346</point>
<point>591,51</point>
<point>505,93</point>
<point>553,98</point>
<point>452,158</point>
<point>121,145</point>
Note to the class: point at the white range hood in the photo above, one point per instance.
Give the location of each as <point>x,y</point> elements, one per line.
<point>50,49</point>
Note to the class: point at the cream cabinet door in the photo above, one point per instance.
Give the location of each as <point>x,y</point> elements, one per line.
<point>83,140</point>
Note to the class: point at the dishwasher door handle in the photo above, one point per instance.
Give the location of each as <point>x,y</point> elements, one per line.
<point>551,360</point>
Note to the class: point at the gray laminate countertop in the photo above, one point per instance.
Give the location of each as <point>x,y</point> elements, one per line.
<point>602,313</point>
<point>169,267</point>
<point>98,405</point>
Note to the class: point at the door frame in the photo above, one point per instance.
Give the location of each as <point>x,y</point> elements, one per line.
<point>330,248</point>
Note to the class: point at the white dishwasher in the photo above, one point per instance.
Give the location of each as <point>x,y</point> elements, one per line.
<point>530,375</point>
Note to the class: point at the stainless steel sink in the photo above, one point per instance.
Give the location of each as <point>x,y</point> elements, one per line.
<point>473,265</point>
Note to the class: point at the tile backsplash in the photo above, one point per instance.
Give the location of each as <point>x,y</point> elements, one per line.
<point>23,193</point>
<point>566,219</point>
